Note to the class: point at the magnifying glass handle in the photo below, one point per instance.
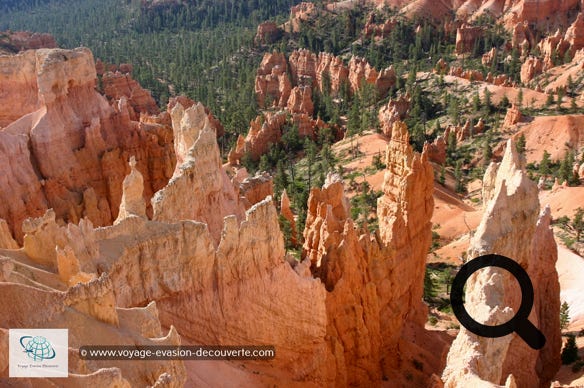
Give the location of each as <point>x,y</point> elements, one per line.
<point>530,334</point>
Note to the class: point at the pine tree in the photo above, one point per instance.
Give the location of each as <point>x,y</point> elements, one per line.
<point>454,109</point>
<point>442,178</point>
<point>564,316</point>
<point>520,97</point>
<point>520,145</point>
<point>549,100</point>
<point>571,86</point>
<point>460,186</point>
<point>487,151</point>
<point>311,151</point>
<point>578,223</point>
<point>544,165</point>
<point>487,103</point>
<point>570,351</point>
<point>560,98</point>
<point>476,102</point>
<point>429,286</point>
<point>286,229</point>
<point>281,180</point>
<point>354,118</point>
<point>570,177</point>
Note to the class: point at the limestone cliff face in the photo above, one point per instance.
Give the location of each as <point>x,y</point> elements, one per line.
<point>66,148</point>
<point>89,312</point>
<point>207,292</point>
<point>272,81</point>
<point>514,227</point>
<point>117,85</point>
<point>133,203</point>
<point>386,316</point>
<point>6,240</point>
<point>535,12</point>
<point>466,37</point>
<point>404,212</point>
<point>199,189</point>
<point>325,69</point>
<point>530,68</point>
<point>20,91</point>
<point>575,33</point>
<point>255,189</point>
<point>395,110</point>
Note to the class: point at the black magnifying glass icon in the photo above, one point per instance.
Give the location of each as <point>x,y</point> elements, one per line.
<point>519,323</point>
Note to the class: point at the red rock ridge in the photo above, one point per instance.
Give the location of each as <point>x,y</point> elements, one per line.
<point>366,272</point>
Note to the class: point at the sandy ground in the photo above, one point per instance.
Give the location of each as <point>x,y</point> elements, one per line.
<point>368,146</point>
<point>551,133</point>
<point>570,269</point>
<point>563,201</point>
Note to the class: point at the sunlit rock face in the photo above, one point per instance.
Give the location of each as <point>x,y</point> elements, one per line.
<point>386,317</point>
<point>511,226</point>
<point>65,147</point>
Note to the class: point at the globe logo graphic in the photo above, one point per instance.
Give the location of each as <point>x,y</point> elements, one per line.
<point>38,348</point>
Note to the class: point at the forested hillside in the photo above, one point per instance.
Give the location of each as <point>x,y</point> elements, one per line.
<point>203,49</point>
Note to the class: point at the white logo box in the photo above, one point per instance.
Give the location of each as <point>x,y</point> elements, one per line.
<point>38,353</point>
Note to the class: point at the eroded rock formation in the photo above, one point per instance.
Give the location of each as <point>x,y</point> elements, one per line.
<point>121,84</point>
<point>395,110</point>
<point>133,203</point>
<point>363,271</point>
<point>326,71</point>
<point>263,132</point>
<point>199,175</point>
<point>267,33</point>
<point>437,150</point>
<point>530,68</point>
<point>88,310</point>
<point>513,116</point>
<point>65,147</point>
<point>272,81</point>
<point>466,38</point>
<point>299,14</point>
<point>376,28</point>
<point>512,226</point>
<point>14,42</point>
<point>255,189</point>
